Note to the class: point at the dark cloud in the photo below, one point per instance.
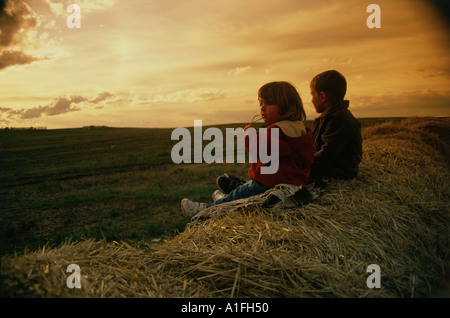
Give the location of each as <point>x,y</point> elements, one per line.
<point>11,58</point>
<point>60,105</point>
<point>16,18</point>
<point>16,21</point>
<point>101,97</point>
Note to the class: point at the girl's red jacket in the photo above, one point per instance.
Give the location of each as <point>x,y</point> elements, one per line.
<point>296,155</point>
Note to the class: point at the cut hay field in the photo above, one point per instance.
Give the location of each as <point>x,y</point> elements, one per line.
<point>113,191</point>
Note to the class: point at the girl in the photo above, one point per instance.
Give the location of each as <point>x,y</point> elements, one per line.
<point>281,107</point>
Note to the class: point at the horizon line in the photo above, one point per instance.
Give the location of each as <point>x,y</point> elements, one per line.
<point>215,125</point>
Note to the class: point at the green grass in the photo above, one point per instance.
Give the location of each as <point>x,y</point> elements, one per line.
<point>112,183</point>
<point>118,184</point>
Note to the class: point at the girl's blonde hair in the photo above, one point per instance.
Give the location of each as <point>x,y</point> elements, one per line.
<point>284,95</point>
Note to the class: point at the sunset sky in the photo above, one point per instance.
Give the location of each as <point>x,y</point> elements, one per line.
<point>166,63</point>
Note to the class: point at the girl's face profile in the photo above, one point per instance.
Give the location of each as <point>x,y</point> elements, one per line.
<point>269,113</point>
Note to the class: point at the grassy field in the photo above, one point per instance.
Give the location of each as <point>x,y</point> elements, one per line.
<point>90,183</point>
<point>95,182</point>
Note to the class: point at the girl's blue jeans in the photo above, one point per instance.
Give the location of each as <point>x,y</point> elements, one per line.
<point>246,190</point>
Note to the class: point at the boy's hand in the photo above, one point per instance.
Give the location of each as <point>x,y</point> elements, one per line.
<point>248,126</point>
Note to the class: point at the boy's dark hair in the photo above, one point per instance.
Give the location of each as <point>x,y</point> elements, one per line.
<point>286,96</point>
<point>331,82</point>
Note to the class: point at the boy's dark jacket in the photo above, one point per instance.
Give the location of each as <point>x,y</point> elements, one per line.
<point>337,143</point>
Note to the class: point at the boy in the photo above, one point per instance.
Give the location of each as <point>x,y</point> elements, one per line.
<point>336,133</point>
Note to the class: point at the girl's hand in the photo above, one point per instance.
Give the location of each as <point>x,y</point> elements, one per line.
<point>248,126</point>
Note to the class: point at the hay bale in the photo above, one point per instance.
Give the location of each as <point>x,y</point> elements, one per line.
<point>395,215</point>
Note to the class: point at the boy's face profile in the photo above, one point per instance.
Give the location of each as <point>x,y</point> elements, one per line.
<point>319,100</point>
<point>269,113</point>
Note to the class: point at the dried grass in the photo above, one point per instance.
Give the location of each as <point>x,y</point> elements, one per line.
<point>395,214</point>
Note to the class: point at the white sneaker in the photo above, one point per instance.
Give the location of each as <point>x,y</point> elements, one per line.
<point>217,195</point>
<point>191,208</point>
